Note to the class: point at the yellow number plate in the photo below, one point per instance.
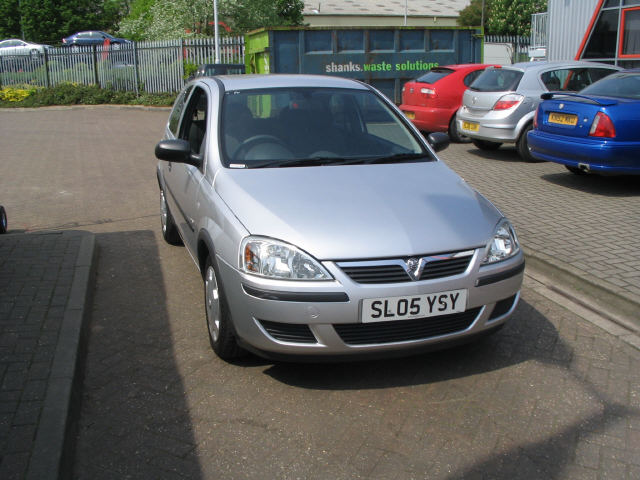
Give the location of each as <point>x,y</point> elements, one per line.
<point>563,118</point>
<point>410,115</point>
<point>471,126</point>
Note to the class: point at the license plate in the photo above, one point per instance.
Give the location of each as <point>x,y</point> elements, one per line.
<point>410,115</point>
<point>413,306</point>
<point>563,118</point>
<point>471,126</point>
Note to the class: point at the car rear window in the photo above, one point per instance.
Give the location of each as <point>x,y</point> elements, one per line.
<point>433,75</point>
<point>621,85</point>
<point>497,80</point>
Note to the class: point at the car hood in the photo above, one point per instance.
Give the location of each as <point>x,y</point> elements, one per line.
<point>360,211</point>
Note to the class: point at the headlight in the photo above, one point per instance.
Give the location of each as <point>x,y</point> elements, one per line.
<point>503,245</point>
<point>275,259</point>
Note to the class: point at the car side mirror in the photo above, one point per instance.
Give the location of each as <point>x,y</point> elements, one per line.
<point>438,141</point>
<point>178,151</point>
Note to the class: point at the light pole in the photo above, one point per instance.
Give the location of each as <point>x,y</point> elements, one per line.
<point>215,30</point>
<point>482,17</point>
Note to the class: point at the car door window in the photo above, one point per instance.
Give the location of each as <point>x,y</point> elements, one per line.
<point>178,108</point>
<point>194,122</point>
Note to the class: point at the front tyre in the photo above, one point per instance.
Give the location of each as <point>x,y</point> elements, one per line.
<point>219,323</point>
<point>169,229</point>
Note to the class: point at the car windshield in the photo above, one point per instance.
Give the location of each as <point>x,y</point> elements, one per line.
<point>621,85</point>
<point>433,75</point>
<point>313,126</point>
<point>497,80</point>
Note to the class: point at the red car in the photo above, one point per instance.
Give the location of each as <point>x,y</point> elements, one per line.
<point>432,100</point>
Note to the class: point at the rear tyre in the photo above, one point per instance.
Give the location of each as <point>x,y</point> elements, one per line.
<point>169,229</point>
<point>486,145</point>
<point>219,323</point>
<point>454,133</point>
<point>3,220</point>
<point>523,146</point>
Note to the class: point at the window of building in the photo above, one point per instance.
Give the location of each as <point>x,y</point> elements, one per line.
<point>630,32</point>
<point>602,43</point>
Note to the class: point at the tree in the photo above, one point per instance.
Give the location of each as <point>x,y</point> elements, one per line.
<point>471,15</point>
<point>47,21</point>
<point>164,19</point>
<point>502,17</point>
<point>9,19</point>
<point>513,17</point>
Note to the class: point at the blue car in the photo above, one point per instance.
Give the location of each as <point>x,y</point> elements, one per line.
<point>93,37</point>
<point>595,130</point>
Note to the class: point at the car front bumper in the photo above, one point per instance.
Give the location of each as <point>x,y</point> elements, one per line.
<point>279,319</point>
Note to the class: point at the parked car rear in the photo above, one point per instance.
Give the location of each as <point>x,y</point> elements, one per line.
<point>432,100</point>
<point>500,104</point>
<point>596,130</point>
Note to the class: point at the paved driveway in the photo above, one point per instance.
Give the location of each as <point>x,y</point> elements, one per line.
<point>550,396</point>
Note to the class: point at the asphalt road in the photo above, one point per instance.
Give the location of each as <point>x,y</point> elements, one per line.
<point>550,396</point>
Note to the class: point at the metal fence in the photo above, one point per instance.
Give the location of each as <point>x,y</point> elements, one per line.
<point>519,45</point>
<point>140,66</point>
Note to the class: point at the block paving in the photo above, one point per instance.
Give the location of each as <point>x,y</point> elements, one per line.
<point>552,395</point>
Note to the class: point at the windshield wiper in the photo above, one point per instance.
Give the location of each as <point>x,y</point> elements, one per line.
<point>398,157</point>
<point>300,162</point>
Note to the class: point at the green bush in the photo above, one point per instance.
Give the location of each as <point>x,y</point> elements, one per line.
<point>76,94</point>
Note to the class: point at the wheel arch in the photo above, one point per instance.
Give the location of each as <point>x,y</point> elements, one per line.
<point>205,249</point>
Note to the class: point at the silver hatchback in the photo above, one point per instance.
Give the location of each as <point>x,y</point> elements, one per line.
<point>499,106</point>
<point>323,224</point>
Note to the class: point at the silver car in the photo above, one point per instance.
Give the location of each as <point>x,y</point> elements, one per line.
<point>323,224</point>
<point>499,106</point>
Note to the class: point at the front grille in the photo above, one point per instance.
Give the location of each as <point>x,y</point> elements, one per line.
<point>395,271</point>
<point>289,332</point>
<point>445,268</point>
<point>405,330</point>
<point>377,274</point>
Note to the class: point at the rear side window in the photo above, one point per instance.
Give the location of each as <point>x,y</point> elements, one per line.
<point>433,75</point>
<point>497,80</point>
<point>573,79</point>
<point>471,77</point>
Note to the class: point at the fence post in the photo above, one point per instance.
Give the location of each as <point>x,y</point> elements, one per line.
<point>181,62</point>
<point>95,65</point>
<point>47,80</point>
<point>135,68</point>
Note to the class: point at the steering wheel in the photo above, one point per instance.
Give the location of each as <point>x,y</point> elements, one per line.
<point>275,149</point>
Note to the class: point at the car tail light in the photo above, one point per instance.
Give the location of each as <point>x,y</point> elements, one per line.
<point>535,117</point>
<point>428,92</point>
<point>602,126</point>
<point>508,101</point>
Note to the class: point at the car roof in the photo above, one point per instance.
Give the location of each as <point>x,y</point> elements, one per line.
<point>539,66</point>
<point>255,81</point>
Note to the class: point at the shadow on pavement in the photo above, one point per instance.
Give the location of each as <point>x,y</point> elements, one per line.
<point>506,153</point>
<point>134,420</point>
<point>607,186</point>
<point>527,336</point>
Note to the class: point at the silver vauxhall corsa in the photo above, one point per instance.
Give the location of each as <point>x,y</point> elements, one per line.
<point>499,106</point>
<point>324,225</point>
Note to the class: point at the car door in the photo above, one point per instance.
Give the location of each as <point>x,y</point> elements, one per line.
<point>182,180</point>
